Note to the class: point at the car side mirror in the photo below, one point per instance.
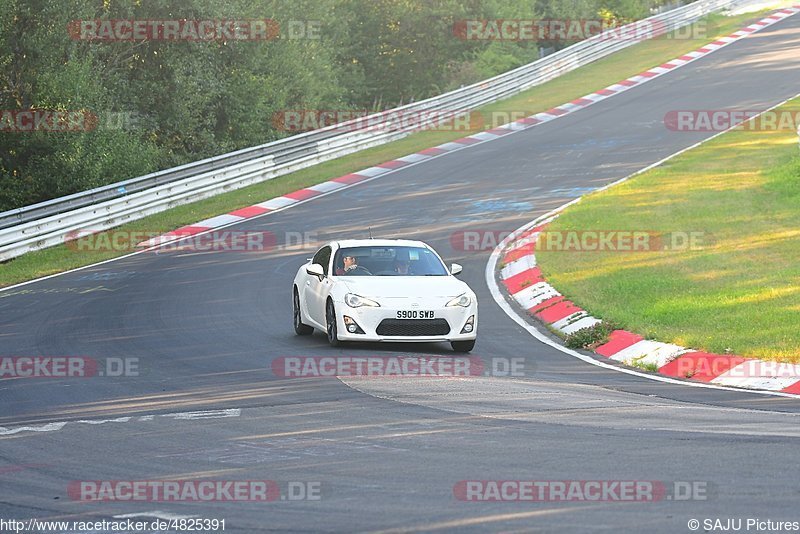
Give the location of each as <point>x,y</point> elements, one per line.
<point>316,270</point>
<point>455,269</point>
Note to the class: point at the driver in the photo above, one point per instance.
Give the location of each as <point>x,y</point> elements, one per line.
<point>351,266</point>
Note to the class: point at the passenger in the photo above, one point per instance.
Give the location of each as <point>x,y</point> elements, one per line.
<point>401,267</point>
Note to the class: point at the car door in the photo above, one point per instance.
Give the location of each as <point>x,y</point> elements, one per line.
<point>316,291</point>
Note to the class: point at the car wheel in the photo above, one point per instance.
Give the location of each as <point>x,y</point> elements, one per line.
<point>299,328</point>
<point>330,320</point>
<point>463,346</point>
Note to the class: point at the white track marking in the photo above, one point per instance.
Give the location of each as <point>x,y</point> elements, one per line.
<point>158,514</point>
<point>219,220</point>
<point>518,266</point>
<point>182,416</point>
<point>649,352</point>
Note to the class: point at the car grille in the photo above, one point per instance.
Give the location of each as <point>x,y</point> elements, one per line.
<point>413,327</point>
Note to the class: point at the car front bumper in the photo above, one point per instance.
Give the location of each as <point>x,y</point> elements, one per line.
<point>370,318</point>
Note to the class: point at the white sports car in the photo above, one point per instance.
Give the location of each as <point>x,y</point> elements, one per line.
<point>384,290</point>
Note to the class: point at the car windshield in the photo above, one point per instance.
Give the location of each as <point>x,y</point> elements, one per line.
<point>387,261</point>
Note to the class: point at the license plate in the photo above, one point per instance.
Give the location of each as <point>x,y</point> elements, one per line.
<point>415,314</point>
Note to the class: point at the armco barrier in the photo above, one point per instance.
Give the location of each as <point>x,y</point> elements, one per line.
<point>46,224</point>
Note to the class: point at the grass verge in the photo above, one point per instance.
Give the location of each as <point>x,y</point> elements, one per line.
<point>568,87</point>
<point>738,289</point>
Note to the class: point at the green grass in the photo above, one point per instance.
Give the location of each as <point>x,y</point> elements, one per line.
<point>651,367</point>
<point>563,89</point>
<point>590,337</point>
<point>739,290</point>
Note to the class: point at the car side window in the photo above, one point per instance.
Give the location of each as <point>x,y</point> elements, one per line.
<point>323,257</point>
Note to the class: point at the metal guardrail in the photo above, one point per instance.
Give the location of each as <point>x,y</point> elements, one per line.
<point>50,223</point>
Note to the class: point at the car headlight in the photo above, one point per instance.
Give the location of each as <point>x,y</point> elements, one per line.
<point>461,300</point>
<point>356,301</point>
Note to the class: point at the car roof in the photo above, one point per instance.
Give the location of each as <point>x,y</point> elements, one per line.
<point>347,243</point>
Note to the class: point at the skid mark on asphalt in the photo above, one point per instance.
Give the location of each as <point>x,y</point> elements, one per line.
<point>57,290</point>
<point>282,450</point>
<point>104,276</point>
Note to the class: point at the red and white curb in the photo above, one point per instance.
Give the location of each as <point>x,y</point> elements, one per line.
<point>370,173</point>
<point>524,283</point>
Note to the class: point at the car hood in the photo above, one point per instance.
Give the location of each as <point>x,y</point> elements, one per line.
<point>404,286</point>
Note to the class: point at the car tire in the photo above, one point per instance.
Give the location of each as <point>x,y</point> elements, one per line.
<point>330,324</point>
<point>299,328</point>
<point>463,346</point>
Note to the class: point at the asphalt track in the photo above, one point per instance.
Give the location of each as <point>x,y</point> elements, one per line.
<point>206,326</point>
